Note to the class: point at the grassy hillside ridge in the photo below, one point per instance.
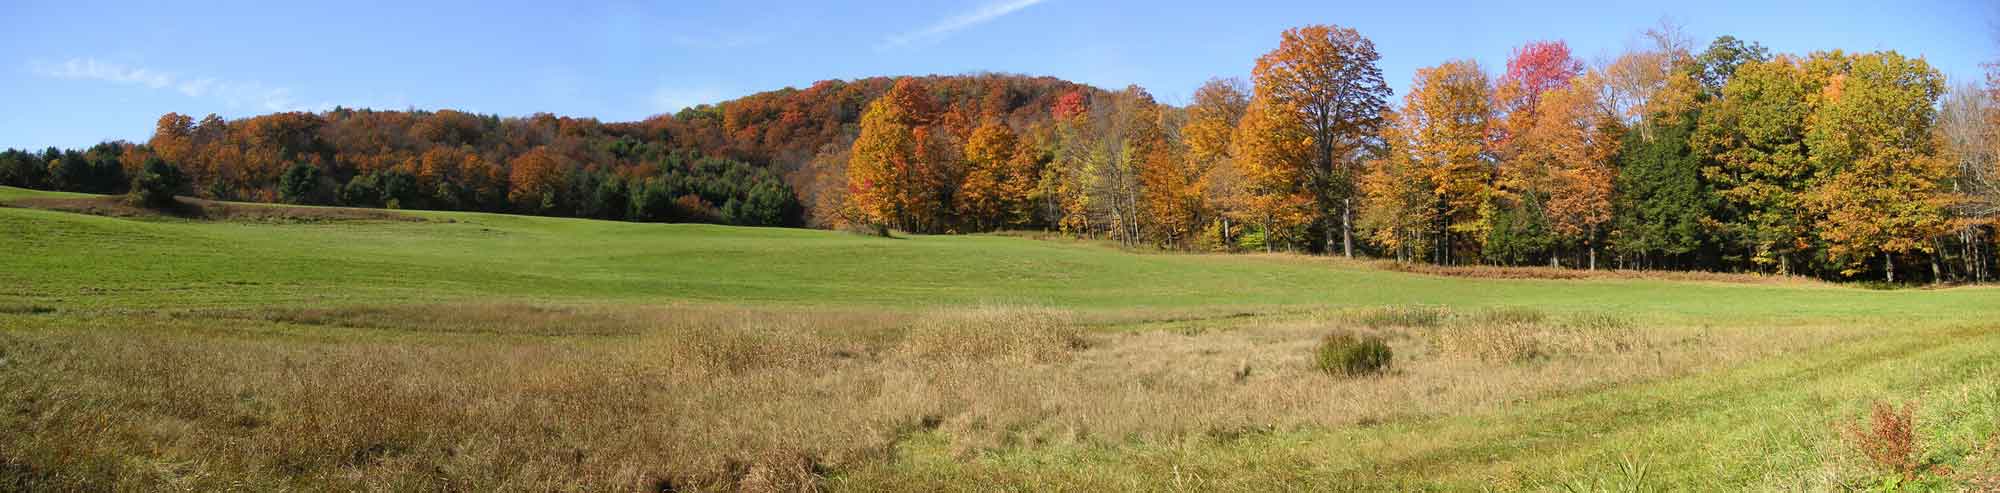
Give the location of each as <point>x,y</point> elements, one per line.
<point>85,261</point>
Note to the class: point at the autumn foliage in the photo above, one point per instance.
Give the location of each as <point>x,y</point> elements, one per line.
<point>1832,164</point>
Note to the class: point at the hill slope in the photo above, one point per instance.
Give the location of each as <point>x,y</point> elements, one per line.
<point>86,260</point>
<point>475,351</point>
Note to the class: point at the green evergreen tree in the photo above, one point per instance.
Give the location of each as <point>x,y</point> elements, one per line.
<point>1662,199</point>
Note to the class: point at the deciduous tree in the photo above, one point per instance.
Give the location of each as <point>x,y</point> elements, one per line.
<point>1577,139</point>
<point>1399,202</point>
<point>1207,137</point>
<point>1274,151</point>
<point>1754,134</point>
<point>1327,76</point>
<point>534,180</point>
<point>983,198</point>
<point>1879,176</point>
<point>898,166</point>
<point>1446,118</point>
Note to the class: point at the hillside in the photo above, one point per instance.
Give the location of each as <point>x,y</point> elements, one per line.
<point>761,159</point>
<point>308,349</point>
<point>458,256</point>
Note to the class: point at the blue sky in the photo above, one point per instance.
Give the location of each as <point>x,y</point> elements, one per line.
<point>75,72</point>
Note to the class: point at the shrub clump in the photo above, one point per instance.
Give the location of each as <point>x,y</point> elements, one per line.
<point>867,229</point>
<point>1400,316</point>
<point>157,183</point>
<point>1347,355</point>
<point>1888,437</point>
<point>1510,316</point>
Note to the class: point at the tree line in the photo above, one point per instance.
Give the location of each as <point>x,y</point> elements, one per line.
<point>746,162</point>
<point>1731,158</point>
<point>1728,158</point>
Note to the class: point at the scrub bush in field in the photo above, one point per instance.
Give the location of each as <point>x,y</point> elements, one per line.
<point>1400,316</point>
<point>157,183</point>
<point>1888,437</point>
<point>1348,355</point>
<point>1509,315</point>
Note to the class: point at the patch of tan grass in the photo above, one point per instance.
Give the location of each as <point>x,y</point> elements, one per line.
<point>1546,272</point>
<point>1514,336</point>
<point>713,398</point>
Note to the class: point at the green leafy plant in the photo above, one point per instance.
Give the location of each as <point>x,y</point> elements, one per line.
<point>1629,477</point>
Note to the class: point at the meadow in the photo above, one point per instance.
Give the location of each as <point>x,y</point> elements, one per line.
<point>313,349</point>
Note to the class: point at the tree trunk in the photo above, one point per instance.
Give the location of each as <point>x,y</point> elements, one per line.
<point>1227,246</point>
<point>1592,245</point>
<point>1979,252</point>
<point>1328,233</point>
<point>1889,267</point>
<point>1267,237</point>
<point>1347,227</point>
<point>1447,250</point>
<point>1937,274</point>
<point>1968,253</point>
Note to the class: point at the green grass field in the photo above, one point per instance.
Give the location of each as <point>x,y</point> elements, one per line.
<point>475,351</point>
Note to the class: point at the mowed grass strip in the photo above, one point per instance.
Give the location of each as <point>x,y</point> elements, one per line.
<point>83,261</point>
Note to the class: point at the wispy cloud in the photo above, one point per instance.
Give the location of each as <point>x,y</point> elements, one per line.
<point>86,68</point>
<point>235,94</point>
<point>977,16</point>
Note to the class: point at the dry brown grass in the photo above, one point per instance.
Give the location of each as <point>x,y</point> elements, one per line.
<point>191,208</point>
<point>529,397</point>
<point>1545,272</point>
<point>1465,271</point>
<point>1513,339</point>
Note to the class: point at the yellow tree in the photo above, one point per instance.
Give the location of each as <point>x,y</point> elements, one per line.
<point>897,166</point>
<point>1326,76</point>
<point>1273,152</point>
<point>1100,149</point>
<point>983,199</point>
<point>1443,128</point>
<point>1064,182</point>
<point>1021,190</point>
<point>1398,201</point>
<point>1211,125</point>
<point>1879,175</point>
<point>1128,141</point>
